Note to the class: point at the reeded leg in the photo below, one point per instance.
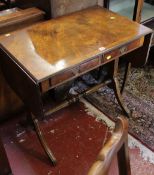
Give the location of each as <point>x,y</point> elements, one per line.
<point>127,71</point>
<point>43,141</point>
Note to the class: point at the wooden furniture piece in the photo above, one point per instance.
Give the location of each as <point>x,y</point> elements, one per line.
<point>5,168</point>
<point>10,20</point>
<point>150,23</point>
<point>15,18</point>
<point>117,144</point>
<point>138,10</point>
<point>62,49</point>
<point>136,17</point>
<point>44,5</point>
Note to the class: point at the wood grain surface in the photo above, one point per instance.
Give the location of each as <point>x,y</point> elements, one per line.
<point>15,14</point>
<point>9,101</point>
<point>13,19</point>
<point>116,145</point>
<point>58,44</point>
<point>10,20</point>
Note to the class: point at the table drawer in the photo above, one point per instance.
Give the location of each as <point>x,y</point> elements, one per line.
<point>89,65</point>
<point>69,74</point>
<point>61,77</point>
<point>122,50</point>
<point>57,80</point>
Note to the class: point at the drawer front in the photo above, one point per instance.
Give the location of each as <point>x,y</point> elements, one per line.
<point>135,44</point>
<point>111,55</point>
<point>63,76</point>
<point>89,65</point>
<point>122,50</point>
<point>74,72</point>
<point>56,80</point>
<point>69,74</point>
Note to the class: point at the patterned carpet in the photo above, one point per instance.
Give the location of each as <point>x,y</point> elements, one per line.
<point>139,97</point>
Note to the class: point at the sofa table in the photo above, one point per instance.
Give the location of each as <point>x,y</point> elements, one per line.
<point>46,55</point>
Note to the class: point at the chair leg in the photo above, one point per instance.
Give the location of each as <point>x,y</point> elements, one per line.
<point>127,72</point>
<point>123,160</point>
<point>43,141</point>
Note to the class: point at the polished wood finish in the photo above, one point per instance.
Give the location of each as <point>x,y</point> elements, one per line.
<point>9,101</point>
<point>119,97</point>
<point>17,19</point>
<point>6,12</point>
<point>5,168</point>
<point>22,84</point>
<point>138,10</point>
<point>150,23</point>
<point>89,65</point>
<point>44,5</point>
<point>43,141</point>
<point>139,57</point>
<point>117,144</point>
<point>76,98</point>
<point>116,86</point>
<point>61,49</point>
<point>56,45</point>
<point>13,19</point>
<point>122,50</point>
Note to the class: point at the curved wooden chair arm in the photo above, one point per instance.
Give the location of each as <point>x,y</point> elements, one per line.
<point>116,145</point>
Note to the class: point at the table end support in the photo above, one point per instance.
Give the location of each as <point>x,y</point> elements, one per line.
<point>119,97</point>
<point>43,141</point>
<point>116,86</point>
<point>126,74</point>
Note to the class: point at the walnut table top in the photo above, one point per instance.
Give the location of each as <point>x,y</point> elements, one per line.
<point>49,47</point>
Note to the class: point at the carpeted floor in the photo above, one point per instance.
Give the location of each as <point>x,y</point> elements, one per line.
<point>139,97</point>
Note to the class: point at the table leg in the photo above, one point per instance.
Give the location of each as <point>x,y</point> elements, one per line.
<point>139,57</point>
<point>127,72</point>
<point>119,97</point>
<point>43,141</point>
<point>116,88</point>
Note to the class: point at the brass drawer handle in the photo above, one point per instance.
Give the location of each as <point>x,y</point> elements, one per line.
<point>108,57</point>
